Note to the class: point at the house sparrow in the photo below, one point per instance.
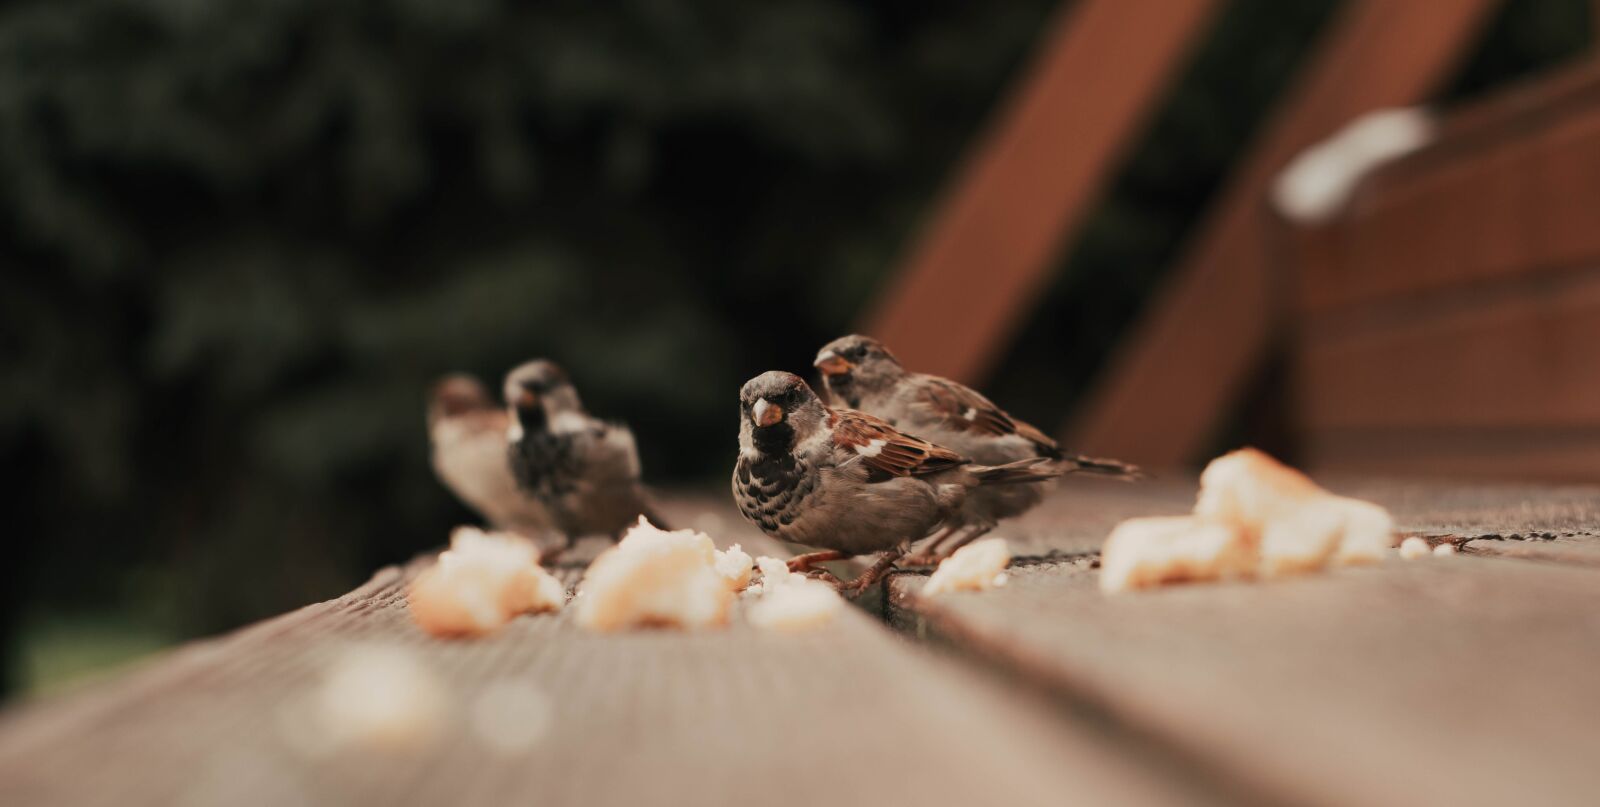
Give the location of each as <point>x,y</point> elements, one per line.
<point>584,471</point>
<point>467,430</point>
<point>863,374</point>
<point>847,481</point>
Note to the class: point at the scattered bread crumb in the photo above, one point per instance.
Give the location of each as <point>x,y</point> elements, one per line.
<point>481,582</point>
<point>1413,548</point>
<point>1144,552</point>
<point>1254,517</point>
<point>794,605</point>
<point>1301,541</point>
<point>775,571</point>
<point>655,578</point>
<point>1443,550</point>
<point>1368,532</point>
<point>379,698</point>
<point>975,567</point>
<point>1300,527</point>
<point>735,566</point>
<point>1249,488</point>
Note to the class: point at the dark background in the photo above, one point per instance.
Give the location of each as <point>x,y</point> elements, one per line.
<point>240,237</point>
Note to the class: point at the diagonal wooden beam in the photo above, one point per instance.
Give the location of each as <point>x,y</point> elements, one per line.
<point>990,245</point>
<point>1207,331</point>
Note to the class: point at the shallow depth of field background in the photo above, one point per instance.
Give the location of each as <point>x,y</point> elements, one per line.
<point>239,238</point>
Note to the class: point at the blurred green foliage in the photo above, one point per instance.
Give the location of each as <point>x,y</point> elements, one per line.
<point>241,236</point>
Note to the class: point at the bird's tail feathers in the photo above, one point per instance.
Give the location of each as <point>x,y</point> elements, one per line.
<point>1116,469</point>
<point>1033,469</point>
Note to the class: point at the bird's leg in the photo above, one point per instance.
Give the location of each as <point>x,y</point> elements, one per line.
<point>803,563</point>
<point>972,533</point>
<point>926,556</point>
<point>877,570</point>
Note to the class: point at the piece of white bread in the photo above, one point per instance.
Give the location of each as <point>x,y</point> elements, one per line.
<point>975,567</point>
<point>1298,526</point>
<point>1145,552</point>
<point>480,583</point>
<point>735,566</point>
<point>794,605</point>
<point>656,578</point>
<point>1254,517</point>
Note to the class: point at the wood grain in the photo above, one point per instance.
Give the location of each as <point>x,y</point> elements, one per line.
<point>848,714</point>
<point>1524,359</point>
<point>1440,681</point>
<point>1552,455</point>
<point>971,277</point>
<point>1173,380</point>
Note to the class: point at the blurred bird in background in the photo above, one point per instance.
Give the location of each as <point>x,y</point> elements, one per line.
<point>583,470</point>
<point>467,429</point>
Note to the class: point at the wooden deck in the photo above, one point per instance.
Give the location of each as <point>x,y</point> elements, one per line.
<point>1461,680</point>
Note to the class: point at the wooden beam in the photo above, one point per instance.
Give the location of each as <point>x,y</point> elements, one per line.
<point>1184,364</point>
<point>971,277</point>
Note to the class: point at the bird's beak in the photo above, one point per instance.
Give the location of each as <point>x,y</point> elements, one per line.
<point>526,399</point>
<point>765,413</point>
<point>832,364</point>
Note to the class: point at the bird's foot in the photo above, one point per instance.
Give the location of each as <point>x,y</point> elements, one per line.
<point>873,574</point>
<point>825,576</point>
<point>923,558</point>
<point>800,564</point>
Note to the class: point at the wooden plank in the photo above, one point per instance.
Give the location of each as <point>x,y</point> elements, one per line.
<point>845,715</point>
<point>1490,200</point>
<point>1523,360</point>
<point>1555,455</point>
<point>1456,681</point>
<point>972,276</point>
<point>1171,384</point>
<point>1581,549</point>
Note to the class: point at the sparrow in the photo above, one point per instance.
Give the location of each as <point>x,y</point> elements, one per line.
<point>846,481</point>
<point>860,372</point>
<point>467,432</point>
<point>583,470</point>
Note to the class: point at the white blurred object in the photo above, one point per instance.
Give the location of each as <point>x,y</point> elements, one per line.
<point>372,697</point>
<point>1319,181</point>
<point>1444,550</point>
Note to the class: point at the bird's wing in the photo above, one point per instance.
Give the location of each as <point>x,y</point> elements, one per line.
<point>964,408</point>
<point>886,451</point>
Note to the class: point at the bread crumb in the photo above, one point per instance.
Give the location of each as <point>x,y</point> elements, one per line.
<point>1413,548</point>
<point>794,605</point>
<point>656,578</point>
<point>1276,502</point>
<point>1301,540</point>
<point>1443,550</point>
<point>975,567</point>
<point>1280,523</point>
<point>1368,532</point>
<point>1144,552</point>
<point>775,571</point>
<point>735,566</point>
<point>481,582</point>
